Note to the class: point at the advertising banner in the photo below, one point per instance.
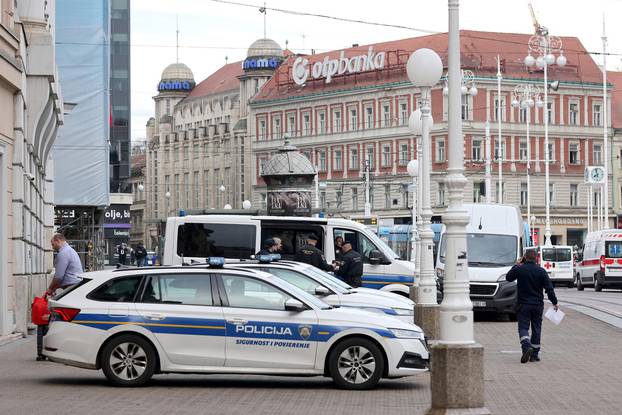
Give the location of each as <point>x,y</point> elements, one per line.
<point>289,203</point>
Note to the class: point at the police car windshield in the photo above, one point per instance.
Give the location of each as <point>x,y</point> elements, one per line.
<point>324,277</point>
<point>302,295</point>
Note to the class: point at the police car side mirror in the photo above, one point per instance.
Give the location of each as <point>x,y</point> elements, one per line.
<point>294,305</point>
<point>376,257</point>
<point>321,291</point>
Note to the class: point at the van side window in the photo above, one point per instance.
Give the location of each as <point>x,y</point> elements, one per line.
<point>292,239</point>
<point>360,243</point>
<point>204,240</point>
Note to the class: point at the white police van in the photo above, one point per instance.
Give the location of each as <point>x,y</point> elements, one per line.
<point>326,287</point>
<point>134,323</point>
<point>495,242</point>
<point>600,264</point>
<point>196,237</point>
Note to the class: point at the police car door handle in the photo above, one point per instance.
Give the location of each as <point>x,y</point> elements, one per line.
<point>155,316</point>
<point>237,321</point>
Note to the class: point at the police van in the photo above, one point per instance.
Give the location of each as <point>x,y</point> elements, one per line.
<point>600,262</point>
<point>136,323</point>
<point>558,260</point>
<point>196,237</point>
<point>495,242</point>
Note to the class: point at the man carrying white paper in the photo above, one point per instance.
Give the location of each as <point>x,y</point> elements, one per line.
<point>531,280</point>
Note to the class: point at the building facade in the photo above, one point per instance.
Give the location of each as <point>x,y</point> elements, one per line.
<point>615,157</point>
<point>198,154</point>
<point>136,182</point>
<point>348,111</point>
<point>32,112</point>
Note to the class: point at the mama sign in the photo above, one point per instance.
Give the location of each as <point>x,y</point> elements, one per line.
<point>327,68</point>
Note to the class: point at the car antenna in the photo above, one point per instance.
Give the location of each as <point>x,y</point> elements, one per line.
<point>480,223</point>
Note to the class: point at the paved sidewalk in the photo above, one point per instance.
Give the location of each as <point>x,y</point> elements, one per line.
<point>580,373</point>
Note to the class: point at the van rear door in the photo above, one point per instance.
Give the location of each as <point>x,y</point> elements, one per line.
<point>613,258</point>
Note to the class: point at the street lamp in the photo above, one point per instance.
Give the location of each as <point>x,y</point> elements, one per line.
<point>545,46</point>
<point>425,68</point>
<point>141,187</point>
<point>526,96</point>
<point>221,191</point>
<point>532,227</point>
<point>413,171</point>
<point>167,195</point>
<point>457,361</point>
<point>246,205</point>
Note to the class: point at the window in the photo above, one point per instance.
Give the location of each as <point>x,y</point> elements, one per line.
<point>360,243</point>
<point>355,198</point>
<point>276,128</point>
<point>441,194</point>
<point>573,153</point>
<point>403,113</point>
<point>387,196</point>
<point>120,290</point>
<point>195,151</point>
<point>202,240</point>
<point>176,184</point>
<point>338,160</point>
<point>386,156</point>
<point>262,129</point>
<point>522,150</point>
<point>186,152</point>
<point>369,117</point>
<point>523,194</point>
<point>291,125</point>
<point>197,189</point>
<point>597,154</point>
<point>440,149</point>
<point>574,195</point>
<point>206,187</point>
<point>306,122</point>
<point>549,111</point>
<point>476,150</point>
<point>551,193</point>
<point>245,292</point>
<point>323,199</point>
<point>354,119</point>
<point>322,122</point>
<point>499,104</point>
<point>466,107</point>
<point>189,289</point>
<point>551,148</point>
<point>187,189</point>
<point>404,156</point>
<point>386,115</point>
<point>477,193</point>
<point>522,114</point>
<point>573,113</point>
<point>337,121</point>
<point>321,155</point>
<point>596,115</point>
<point>370,158</point>
<point>354,158</point>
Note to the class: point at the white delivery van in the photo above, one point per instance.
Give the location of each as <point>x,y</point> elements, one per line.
<point>495,242</point>
<point>558,260</point>
<point>600,263</point>
<point>196,237</point>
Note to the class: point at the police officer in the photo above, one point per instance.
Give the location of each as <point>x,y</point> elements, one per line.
<point>309,254</point>
<point>270,246</point>
<point>531,280</point>
<point>351,269</point>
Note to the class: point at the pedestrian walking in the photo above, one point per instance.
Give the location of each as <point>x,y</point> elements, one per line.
<point>140,253</point>
<point>309,254</point>
<point>531,280</point>
<point>351,269</point>
<point>122,252</point>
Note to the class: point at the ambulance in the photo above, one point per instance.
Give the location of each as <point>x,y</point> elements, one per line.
<point>600,262</point>
<point>558,262</point>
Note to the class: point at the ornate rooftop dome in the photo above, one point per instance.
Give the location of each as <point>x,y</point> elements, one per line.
<point>177,71</point>
<point>288,161</point>
<point>263,48</point>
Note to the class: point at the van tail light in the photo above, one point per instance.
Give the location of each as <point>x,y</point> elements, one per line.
<point>602,262</point>
<point>64,313</point>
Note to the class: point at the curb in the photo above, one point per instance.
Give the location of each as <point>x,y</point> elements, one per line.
<point>10,338</point>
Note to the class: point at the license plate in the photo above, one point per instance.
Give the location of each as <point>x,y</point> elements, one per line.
<point>479,303</point>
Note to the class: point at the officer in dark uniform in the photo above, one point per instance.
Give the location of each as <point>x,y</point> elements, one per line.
<point>309,254</point>
<point>531,280</point>
<point>270,246</point>
<point>351,269</point>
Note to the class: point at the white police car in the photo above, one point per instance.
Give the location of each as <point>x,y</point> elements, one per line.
<point>330,289</point>
<point>134,323</point>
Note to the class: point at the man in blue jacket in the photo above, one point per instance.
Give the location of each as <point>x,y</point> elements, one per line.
<point>531,280</point>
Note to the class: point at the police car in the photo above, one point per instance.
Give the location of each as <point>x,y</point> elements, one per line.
<point>331,289</point>
<point>134,323</point>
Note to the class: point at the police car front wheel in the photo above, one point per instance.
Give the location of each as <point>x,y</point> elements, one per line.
<point>128,360</point>
<point>356,363</point>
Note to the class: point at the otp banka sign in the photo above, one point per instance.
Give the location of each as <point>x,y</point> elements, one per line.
<point>174,86</point>
<point>301,70</point>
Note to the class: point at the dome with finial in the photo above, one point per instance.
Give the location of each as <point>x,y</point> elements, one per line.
<point>262,48</point>
<point>176,77</point>
<point>288,161</point>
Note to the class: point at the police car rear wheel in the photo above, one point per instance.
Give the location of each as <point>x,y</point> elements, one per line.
<point>356,364</point>
<point>128,360</point>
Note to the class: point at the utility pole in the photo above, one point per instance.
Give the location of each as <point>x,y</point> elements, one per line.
<point>499,116</point>
<point>488,178</point>
<point>605,133</point>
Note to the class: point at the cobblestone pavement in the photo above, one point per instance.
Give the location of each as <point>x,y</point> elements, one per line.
<point>580,373</point>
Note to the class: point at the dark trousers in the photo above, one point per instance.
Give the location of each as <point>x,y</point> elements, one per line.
<point>41,331</point>
<point>530,315</point>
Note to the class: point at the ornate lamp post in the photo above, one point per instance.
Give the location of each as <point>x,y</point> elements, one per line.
<point>413,171</point>
<point>425,68</point>
<point>457,361</point>
<point>526,96</point>
<point>545,46</point>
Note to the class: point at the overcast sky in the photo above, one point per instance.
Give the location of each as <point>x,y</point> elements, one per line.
<point>210,31</point>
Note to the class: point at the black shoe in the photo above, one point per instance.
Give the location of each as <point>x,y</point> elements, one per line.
<point>534,358</point>
<point>41,358</point>
<point>526,354</point>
